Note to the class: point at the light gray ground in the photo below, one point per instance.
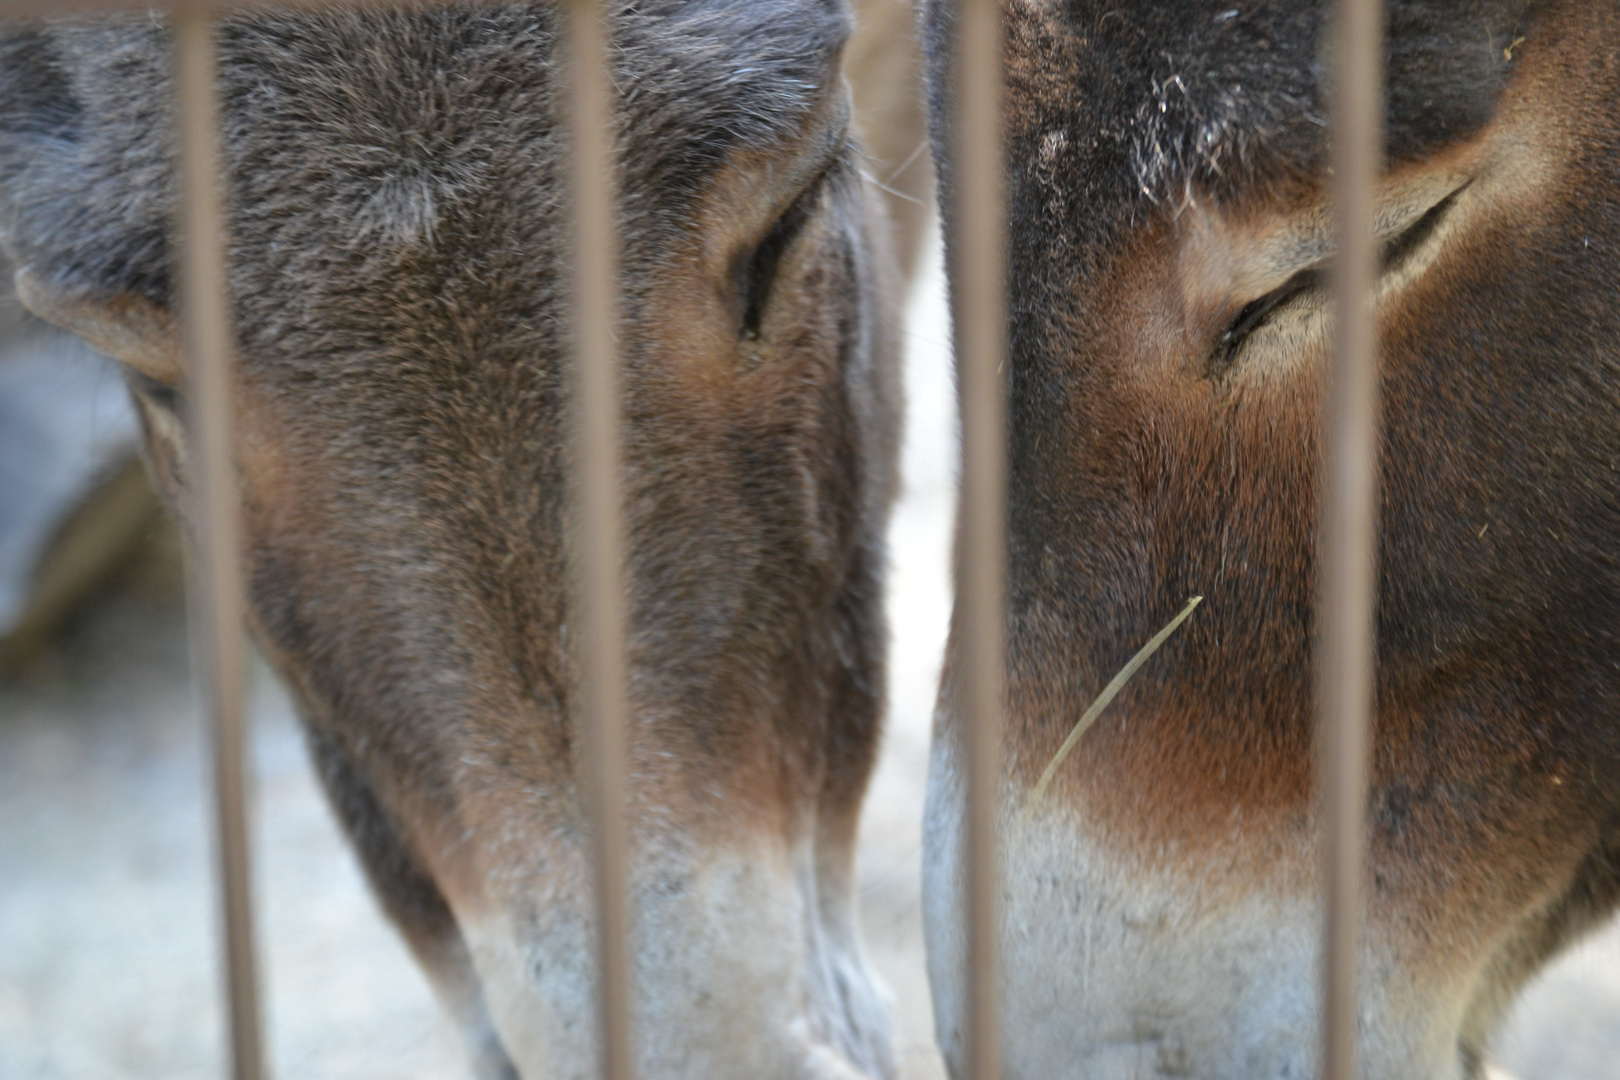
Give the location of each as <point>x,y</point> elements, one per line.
<point>107,957</point>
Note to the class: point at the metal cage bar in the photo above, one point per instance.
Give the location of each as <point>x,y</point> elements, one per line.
<point>599,533</point>
<point>217,602</point>
<point>979,302</point>
<point>1349,532</point>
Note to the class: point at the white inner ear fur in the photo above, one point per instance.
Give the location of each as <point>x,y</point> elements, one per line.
<point>128,328</point>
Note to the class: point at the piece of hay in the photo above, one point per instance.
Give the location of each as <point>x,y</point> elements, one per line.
<point>1114,686</point>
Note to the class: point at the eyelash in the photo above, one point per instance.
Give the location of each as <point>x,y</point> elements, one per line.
<point>1255,314</point>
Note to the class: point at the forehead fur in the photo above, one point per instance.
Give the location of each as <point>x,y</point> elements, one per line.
<point>374,125</point>
<point>1212,93</point>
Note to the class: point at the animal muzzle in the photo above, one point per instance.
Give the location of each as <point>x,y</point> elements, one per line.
<point>743,968</point>
<point>1113,968</point>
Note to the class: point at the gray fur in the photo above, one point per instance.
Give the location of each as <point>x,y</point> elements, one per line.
<point>398,242</point>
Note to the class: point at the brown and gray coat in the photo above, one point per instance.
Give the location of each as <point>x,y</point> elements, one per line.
<point>396,236</point>
<point>1169,330</point>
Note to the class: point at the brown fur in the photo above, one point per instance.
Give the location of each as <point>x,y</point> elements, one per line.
<point>1145,469</point>
<point>396,250</point>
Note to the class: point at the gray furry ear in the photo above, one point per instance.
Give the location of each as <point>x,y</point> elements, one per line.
<point>37,93</point>
<point>45,207</point>
<point>85,135</point>
<point>38,111</point>
<point>128,327</point>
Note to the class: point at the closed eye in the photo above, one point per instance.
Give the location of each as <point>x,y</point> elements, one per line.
<point>1255,313</point>
<point>755,276</point>
<point>1397,252</point>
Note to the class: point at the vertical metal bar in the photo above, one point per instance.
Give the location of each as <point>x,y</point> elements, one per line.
<point>216,575</point>
<point>978,285</point>
<point>599,540</point>
<point>1349,525</point>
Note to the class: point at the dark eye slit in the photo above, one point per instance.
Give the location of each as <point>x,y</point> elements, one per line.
<point>757,275</point>
<point>1256,312</point>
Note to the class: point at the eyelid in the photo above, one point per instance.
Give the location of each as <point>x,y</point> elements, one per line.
<point>1399,249</point>
<point>756,274</point>
<point>1254,314</point>
<point>1396,251</point>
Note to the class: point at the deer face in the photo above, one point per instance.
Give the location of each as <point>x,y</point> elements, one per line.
<point>1169,230</point>
<point>398,239</point>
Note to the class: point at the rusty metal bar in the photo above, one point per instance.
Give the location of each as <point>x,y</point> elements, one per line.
<point>1349,541</point>
<point>599,536</point>
<point>979,302</point>
<point>218,647</point>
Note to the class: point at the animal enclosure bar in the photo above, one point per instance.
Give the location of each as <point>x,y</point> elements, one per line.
<point>1347,545</point>
<point>216,572</point>
<point>980,310</point>
<point>598,553</point>
<point>1349,536</point>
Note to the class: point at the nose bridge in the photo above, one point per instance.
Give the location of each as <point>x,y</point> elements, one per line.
<point>745,954</point>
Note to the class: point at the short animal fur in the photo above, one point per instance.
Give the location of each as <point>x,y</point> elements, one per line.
<point>397,239</point>
<point>1169,232</point>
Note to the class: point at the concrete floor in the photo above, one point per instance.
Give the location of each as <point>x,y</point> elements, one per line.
<point>107,961</point>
